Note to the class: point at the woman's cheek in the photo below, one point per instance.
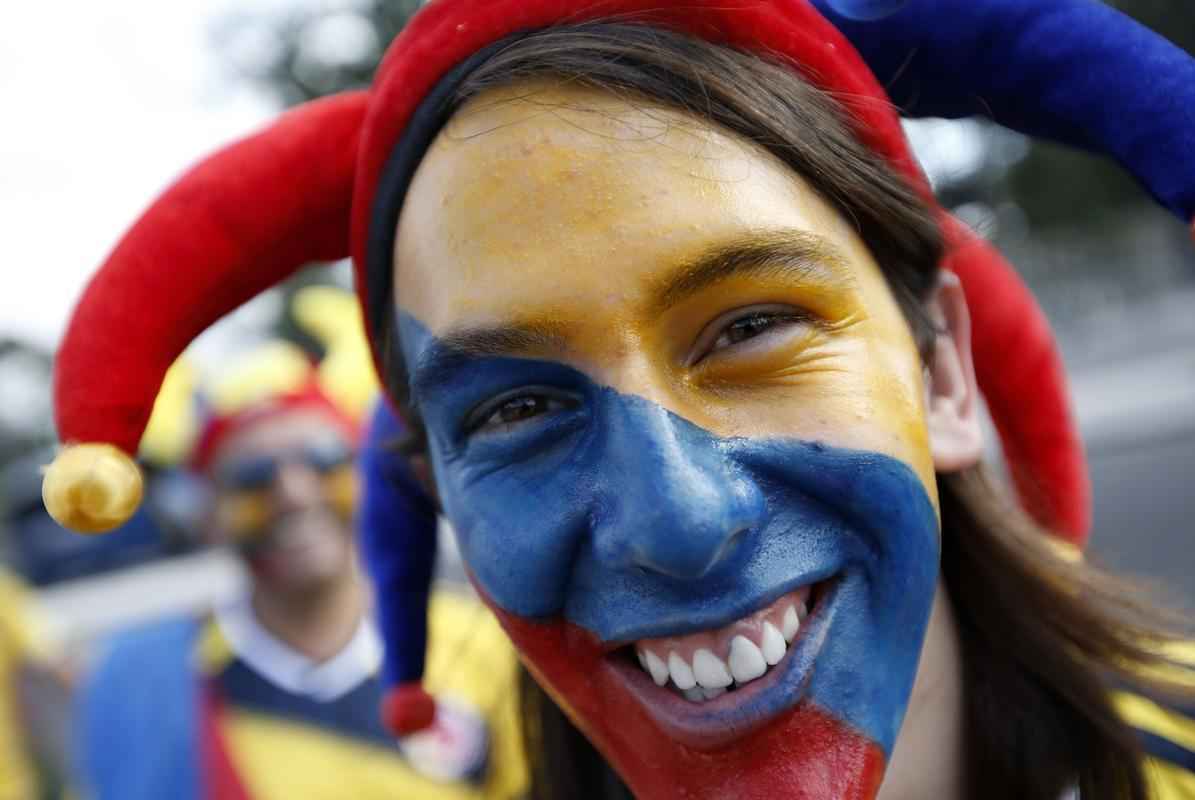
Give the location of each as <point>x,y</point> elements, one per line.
<point>839,387</point>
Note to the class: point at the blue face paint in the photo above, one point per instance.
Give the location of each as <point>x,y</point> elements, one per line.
<point>629,521</point>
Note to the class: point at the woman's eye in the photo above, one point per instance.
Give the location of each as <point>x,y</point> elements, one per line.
<point>753,325</point>
<point>746,328</point>
<point>510,411</point>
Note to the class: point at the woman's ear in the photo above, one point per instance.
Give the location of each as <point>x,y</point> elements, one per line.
<point>952,394</point>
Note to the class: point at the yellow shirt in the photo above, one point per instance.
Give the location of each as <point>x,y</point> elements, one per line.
<point>22,642</point>
<point>1168,736</point>
<point>1167,729</point>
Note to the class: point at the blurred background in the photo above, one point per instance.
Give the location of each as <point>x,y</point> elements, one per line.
<point>108,101</point>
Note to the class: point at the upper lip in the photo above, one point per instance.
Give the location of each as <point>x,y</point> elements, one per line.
<point>699,620</point>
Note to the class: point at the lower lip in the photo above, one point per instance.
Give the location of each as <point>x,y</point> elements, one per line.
<point>716,723</point>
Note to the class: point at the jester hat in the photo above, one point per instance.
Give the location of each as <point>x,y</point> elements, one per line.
<point>328,178</point>
<point>279,376</point>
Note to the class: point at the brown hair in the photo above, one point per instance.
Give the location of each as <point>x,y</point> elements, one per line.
<point>1041,636</point>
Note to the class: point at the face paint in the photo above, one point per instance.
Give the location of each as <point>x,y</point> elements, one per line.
<point>667,392</point>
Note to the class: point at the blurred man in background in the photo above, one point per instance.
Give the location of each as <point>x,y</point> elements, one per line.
<point>277,694</point>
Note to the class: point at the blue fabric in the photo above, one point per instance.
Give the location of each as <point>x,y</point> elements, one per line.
<point>1166,750</point>
<point>137,731</point>
<point>865,9</point>
<point>353,715</point>
<point>1074,71</point>
<point>396,525</point>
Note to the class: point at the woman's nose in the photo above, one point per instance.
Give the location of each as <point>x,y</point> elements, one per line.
<point>673,502</point>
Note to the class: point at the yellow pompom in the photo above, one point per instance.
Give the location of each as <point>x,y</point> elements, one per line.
<point>92,488</point>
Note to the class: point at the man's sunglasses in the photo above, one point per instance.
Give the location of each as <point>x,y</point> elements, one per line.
<point>255,473</point>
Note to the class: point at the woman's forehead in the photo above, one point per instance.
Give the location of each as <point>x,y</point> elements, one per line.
<point>546,201</point>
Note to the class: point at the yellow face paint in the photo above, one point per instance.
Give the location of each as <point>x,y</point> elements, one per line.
<point>572,213</point>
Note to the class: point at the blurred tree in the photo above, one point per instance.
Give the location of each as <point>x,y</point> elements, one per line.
<point>310,51</point>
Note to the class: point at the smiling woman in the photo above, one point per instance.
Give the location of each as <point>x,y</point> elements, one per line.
<point>684,342</point>
<point>691,384</point>
<point>614,370</point>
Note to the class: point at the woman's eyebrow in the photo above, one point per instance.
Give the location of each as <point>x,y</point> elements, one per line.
<point>793,255</point>
<point>449,353</point>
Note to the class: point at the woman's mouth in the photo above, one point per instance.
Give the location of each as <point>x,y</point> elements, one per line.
<point>708,688</point>
<point>703,666</point>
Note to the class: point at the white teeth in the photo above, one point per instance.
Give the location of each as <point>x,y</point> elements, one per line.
<point>682,673</point>
<point>790,624</point>
<point>657,668</point>
<point>773,645</point>
<point>746,662</point>
<point>707,676</point>
<point>710,670</point>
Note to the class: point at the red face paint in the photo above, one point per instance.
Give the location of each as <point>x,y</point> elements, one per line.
<point>804,755</point>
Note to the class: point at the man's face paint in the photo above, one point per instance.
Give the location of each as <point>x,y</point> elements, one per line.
<point>668,398</point>
<point>284,493</point>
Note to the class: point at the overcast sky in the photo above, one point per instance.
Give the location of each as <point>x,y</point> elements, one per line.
<point>105,103</point>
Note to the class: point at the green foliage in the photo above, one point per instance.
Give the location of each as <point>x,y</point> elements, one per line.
<point>291,59</point>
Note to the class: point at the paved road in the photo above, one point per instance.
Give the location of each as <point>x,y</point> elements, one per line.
<point>1138,419</point>
<point>1144,511</point>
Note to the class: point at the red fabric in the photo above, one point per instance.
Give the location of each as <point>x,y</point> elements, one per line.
<point>303,190</point>
<point>444,33</point>
<point>218,428</point>
<point>804,754</point>
<point>220,777</point>
<point>236,224</point>
<point>1021,374</point>
<point>408,708</point>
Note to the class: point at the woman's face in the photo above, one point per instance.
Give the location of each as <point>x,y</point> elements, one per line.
<point>677,420</point>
